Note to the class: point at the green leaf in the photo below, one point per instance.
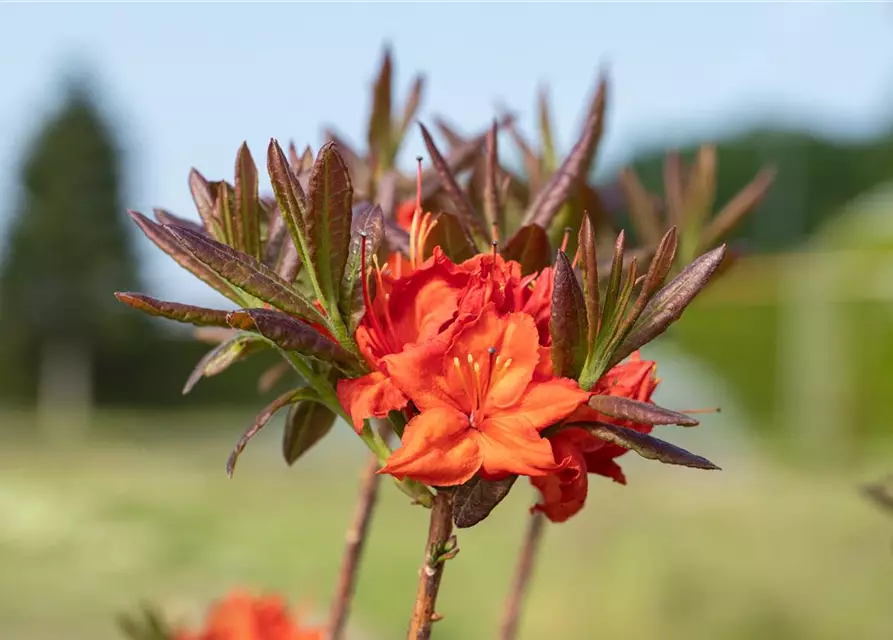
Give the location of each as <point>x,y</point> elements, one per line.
<point>328,220</point>
<point>647,446</point>
<point>530,247</point>
<point>451,237</point>
<point>246,196</point>
<point>247,274</point>
<point>167,242</point>
<point>225,206</point>
<point>186,313</point>
<point>307,423</point>
<point>477,498</point>
<point>218,359</point>
<point>471,223</point>
<point>290,334</point>
<point>639,412</point>
<point>568,325</point>
<point>668,304</point>
<point>287,398</point>
<point>368,228</point>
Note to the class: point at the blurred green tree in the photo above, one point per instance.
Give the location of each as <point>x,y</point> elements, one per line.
<point>68,247</point>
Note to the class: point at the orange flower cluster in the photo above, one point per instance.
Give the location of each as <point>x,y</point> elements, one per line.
<point>465,350</point>
<point>240,616</point>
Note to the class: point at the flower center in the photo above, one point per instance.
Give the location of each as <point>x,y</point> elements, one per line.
<point>477,380</point>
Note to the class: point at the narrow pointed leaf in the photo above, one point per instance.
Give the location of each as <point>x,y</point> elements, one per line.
<point>530,247</point>
<point>290,198</point>
<point>654,279</point>
<point>589,269</point>
<point>561,185</point>
<point>289,334</point>
<point>276,235</point>
<point>550,160</point>
<point>612,292</point>
<point>642,206</point>
<point>287,398</point>
<point>451,236</point>
<point>290,264</point>
<point>410,109</point>
<point>674,187</point>
<point>246,273</point>
<point>380,117</point>
<point>668,304</point>
<point>737,208</point>
<point>464,211</point>
<point>567,324</point>
<point>248,215</point>
<point>477,498</point>
<point>648,446</point>
<point>492,210</point>
<point>204,198</point>
<point>186,313</point>
<point>328,221</point>
<point>166,217</point>
<point>167,242</point>
<point>225,211</point>
<point>639,412</point>
<point>368,228</point>
<point>531,162</point>
<point>307,423</point>
<point>218,359</point>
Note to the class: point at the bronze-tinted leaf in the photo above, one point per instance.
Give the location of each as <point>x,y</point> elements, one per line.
<point>218,359</point>
<point>204,198</point>
<point>307,423</point>
<point>737,208</point>
<point>187,313</point>
<point>477,498</point>
<point>648,446</point>
<point>639,412</point>
<point>567,325</point>
<point>492,211</point>
<point>530,247</point>
<point>470,220</point>
<point>668,304</point>
<point>287,398</point>
<point>248,209</point>
<point>290,197</point>
<point>589,269</point>
<point>368,228</point>
<point>246,273</point>
<point>451,237</point>
<point>166,217</point>
<point>225,212</point>
<point>289,334</point>
<point>274,246</point>
<point>674,187</point>
<point>165,240</point>
<point>328,219</point>
<point>562,182</point>
<point>642,206</point>
<point>657,272</point>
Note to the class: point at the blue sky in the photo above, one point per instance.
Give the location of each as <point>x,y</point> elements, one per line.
<point>185,84</point>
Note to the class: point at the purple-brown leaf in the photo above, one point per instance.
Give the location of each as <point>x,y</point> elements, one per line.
<point>247,217</point>
<point>368,228</point>
<point>477,498</point>
<point>648,446</point>
<point>639,412</point>
<point>187,313</point>
<point>567,325</point>
<point>289,334</point>
<point>307,423</point>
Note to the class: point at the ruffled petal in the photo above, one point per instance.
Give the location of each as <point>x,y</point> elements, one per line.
<point>438,448</point>
<point>418,372</point>
<point>564,492</point>
<point>509,446</point>
<point>373,395</point>
<point>544,404</point>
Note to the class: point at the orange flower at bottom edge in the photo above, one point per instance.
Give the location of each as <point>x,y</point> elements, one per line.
<point>578,452</point>
<point>240,616</point>
<point>481,409</point>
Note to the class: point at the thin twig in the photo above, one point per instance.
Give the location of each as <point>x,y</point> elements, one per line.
<point>356,537</point>
<point>508,626</point>
<point>440,546</point>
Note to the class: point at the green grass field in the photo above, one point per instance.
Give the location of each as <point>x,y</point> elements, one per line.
<point>752,552</point>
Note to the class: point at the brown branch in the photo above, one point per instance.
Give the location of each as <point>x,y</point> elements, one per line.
<point>356,537</point>
<point>440,546</point>
<point>508,626</point>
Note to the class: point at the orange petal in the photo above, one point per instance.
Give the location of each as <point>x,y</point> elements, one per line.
<point>438,448</point>
<point>509,445</point>
<point>514,339</point>
<point>373,395</point>
<point>418,372</point>
<point>544,404</point>
<point>564,492</point>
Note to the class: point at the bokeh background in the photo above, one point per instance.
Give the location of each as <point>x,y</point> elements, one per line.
<point>112,484</point>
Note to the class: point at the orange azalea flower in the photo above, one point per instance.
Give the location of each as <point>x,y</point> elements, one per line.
<point>578,452</point>
<point>404,214</point>
<point>240,616</point>
<point>481,410</point>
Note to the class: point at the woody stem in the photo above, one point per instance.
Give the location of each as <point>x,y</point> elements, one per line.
<point>439,547</point>
<point>356,537</point>
<point>508,626</point>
